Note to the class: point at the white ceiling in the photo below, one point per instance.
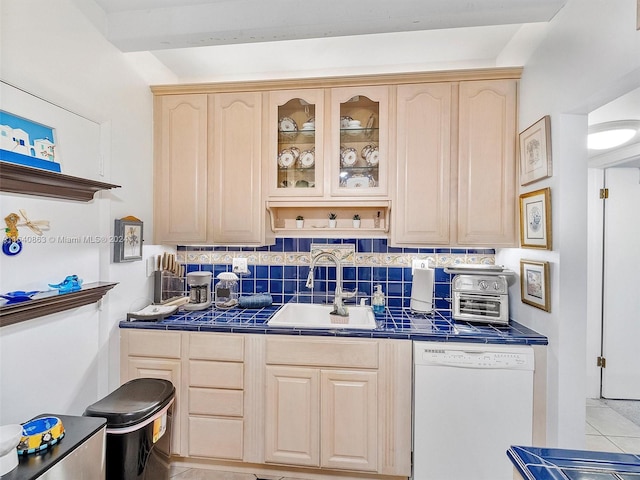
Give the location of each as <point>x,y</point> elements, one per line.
<point>137,25</point>
<point>189,41</point>
<point>195,41</point>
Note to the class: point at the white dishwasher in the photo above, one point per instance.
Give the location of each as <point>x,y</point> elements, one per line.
<point>471,402</point>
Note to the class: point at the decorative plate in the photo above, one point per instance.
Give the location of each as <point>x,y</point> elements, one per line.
<point>365,150</point>
<point>358,181</point>
<point>373,157</point>
<point>286,158</point>
<point>287,124</point>
<point>348,157</point>
<point>307,159</point>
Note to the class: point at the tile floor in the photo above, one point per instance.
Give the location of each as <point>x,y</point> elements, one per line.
<point>609,431</point>
<point>606,430</point>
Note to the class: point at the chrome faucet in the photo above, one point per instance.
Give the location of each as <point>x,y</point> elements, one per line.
<point>339,295</point>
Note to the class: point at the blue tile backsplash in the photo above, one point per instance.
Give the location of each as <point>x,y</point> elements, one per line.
<point>281,269</point>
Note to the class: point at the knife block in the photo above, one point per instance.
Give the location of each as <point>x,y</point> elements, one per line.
<point>167,287</point>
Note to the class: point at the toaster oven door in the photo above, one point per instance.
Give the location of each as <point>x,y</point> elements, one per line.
<point>480,308</point>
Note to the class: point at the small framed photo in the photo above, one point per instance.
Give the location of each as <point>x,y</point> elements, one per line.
<point>535,151</point>
<point>534,284</point>
<point>535,219</point>
<point>127,244</point>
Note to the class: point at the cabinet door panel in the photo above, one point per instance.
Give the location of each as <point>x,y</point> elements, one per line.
<point>165,370</point>
<point>304,177</point>
<point>486,165</point>
<point>215,401</point>
<point>423,164</point>
<point>216,346</point>
<point>215,437</point>
<point>235,180</point>
<point>349,420</point>
<point>216,374</point>
<point>292,425</point>
<point>145,343</point>
<point>180,200</point>
<point>351,174</point>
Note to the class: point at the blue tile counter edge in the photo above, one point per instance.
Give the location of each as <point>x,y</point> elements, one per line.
<point>560,464</point>
<point>396,323</point>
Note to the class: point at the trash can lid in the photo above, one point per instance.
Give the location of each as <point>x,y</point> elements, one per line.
<point>133,402</point>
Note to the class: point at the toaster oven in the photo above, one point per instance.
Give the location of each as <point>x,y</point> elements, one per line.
<point>480,298</point>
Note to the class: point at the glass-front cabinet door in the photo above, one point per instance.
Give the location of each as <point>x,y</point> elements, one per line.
<point>296,122</point>
<point>359,141</point>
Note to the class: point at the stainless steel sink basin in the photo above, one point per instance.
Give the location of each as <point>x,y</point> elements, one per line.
<point>311,315</point>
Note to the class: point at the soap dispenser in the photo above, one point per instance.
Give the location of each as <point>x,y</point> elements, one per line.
<point>378,300</point>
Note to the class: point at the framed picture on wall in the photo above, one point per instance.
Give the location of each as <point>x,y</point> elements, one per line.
<point>535,151</point>
<point>534,284</point>
<point>535,219</point>
<point>127,244</point>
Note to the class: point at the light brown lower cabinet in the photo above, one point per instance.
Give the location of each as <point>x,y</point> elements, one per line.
<point>148,354</point>
<point>317,402</point>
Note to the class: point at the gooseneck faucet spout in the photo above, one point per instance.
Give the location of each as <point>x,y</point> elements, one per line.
<point>339,295</point>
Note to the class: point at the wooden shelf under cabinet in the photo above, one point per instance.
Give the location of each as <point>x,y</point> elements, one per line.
<point>316,218</point>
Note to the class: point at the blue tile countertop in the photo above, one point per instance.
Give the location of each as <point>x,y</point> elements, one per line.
<point>397,323</point>
<point>559,464</point>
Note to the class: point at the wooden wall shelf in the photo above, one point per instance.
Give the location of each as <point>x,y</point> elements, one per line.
<point>49,302</point>
<point>33,181</point>
<point>283,218</point>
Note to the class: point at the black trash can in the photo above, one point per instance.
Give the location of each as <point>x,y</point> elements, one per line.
<point>139,417</point>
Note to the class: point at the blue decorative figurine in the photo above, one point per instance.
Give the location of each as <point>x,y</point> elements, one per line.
<point>70,284</point>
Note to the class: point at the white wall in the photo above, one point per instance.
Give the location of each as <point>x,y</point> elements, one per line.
<point>591,55</point>
<point>58,61</point>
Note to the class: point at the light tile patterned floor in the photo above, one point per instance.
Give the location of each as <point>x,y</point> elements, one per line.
<point>609,431</point>
<point>606,430</point>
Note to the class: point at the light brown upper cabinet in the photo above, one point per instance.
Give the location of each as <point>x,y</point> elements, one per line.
<point>208,172</point>
<point>455,176</point>
<point>235,179</point>
<point>487,163</point>
<point>342,153</point>
<point>423,171</point>
<point>359,141</point>
<point>181,169</point>
<point>295,130</point>
<point>424,159</point>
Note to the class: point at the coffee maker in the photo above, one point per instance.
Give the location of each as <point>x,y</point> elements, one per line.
<point>199,284</point>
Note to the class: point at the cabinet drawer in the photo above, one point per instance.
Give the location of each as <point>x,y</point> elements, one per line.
<point>216,374</point>
<point>215,438</point>
<point>322,352</point>
<point>205,346</point>
<point>213,401</point>
<point>154,344</point>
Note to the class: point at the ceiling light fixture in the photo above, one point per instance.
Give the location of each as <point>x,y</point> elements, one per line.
<point>607,135</point>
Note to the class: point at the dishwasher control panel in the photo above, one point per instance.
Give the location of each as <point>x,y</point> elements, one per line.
<point>482,356</point>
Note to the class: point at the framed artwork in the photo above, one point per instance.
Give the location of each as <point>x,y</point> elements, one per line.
<point>27,143</point>
<point>535,219</point>
<point>127,242</point>
<point>534,284</point>
<point>535,151</point>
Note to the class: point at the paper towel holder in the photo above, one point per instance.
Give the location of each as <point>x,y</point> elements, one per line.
<point>422,263</point>
<point>422,286</point>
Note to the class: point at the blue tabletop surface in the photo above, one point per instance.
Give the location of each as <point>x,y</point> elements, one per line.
<point>560,464</point>
<point>397,323</point>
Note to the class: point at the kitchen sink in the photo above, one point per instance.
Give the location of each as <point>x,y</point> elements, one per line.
<point>313,315</point>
